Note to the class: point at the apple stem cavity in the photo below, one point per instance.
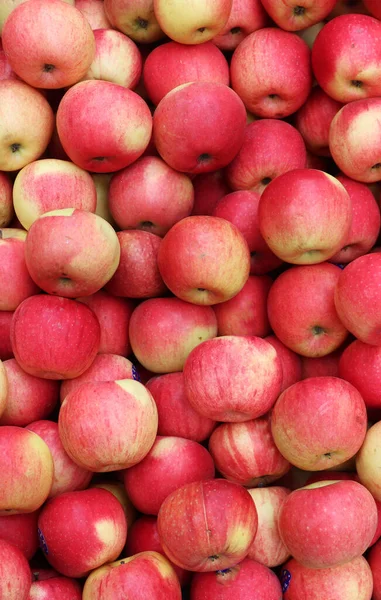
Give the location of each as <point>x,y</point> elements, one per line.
<point>235,30</point>
<point>213,557</point>
<point>266,181</point>
<point>299,11</point>
<point>376,166</point>
<point>201,29</point>
<point>356,83</point>
<point>203,158</point>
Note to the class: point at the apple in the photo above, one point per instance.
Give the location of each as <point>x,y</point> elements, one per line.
<point>309,34</point>
<point>54,587</point>
<point>116,487</point>
<point>329,523</point>
<point>209,188</point>
<point>15,575</point>
<point>102,184</point>
<point>343,7</point>
<point>177,417</point>
<point>308,324</point>
<point>305,216</point>
<point>6,351</point>
<point>332,475</point>
<point>245,453</point>
<point>7,6</point>
<point>80,531</point>
<point>360,364</point>
<point>207,525</point>
<point>94,12</point>
<point>43,57</point>
<point>148,571</point>
<point>21,531</point>
<point>291,362</point>
<point>368,461</point>
<point>26,129</point>
<point>108,425</point>
<point>293,15</point>
<point>270,147</point>
<point>6,71</point>
<point>319,422</point>
<point>91,116</point>
<point>199,127</point>
<point>137,19</point>
<point>245,17</point>
<point>322,365</point>
<point>374,558</point>
<point>272,83</point>
<point>233,378</point>
<point>373,7</point>
<point>32,190</point>
<point>6,200</point>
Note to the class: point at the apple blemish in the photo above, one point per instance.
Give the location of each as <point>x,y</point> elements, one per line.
<point>285,579</point>
<point>42,541</point>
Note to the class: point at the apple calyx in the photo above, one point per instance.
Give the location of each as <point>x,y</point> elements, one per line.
<point>224,572</point>
<point>266,180</point>
<point>317,330</point>
<point>213,558</point>
<point>141,23</point>
<point>48,68</point>
<point>15,147</point>
<point>299,11</point>
<point>356,83</point>
<point>235,30</point>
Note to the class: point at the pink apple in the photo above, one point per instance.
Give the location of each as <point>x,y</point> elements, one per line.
<point>177,417</point>
<point>305,216</point>
<point>209,188</point>
<point>80,531</point>
<point>374,560</point>
<point>270,147</point>
<point>207,525</point>
<point>94,12</point>
<point>32,189</point>
<point>322,366</point>
<point>91,116</point>
<point>272,83</point>
<point>6,351</point>
<point>15,575</point>
<point>44,58</point>
<point>291,362</point>
<point>21,530</point>
<point>360,364</point>
<point>6,200</point>
<point>293,15</point>
<point>6,71</point>
<point>368,461</point>
<point>245,17</point>
<point>137,20</point>
<point>319,422</point>
<point>233,378</point>
<point>54,587</point>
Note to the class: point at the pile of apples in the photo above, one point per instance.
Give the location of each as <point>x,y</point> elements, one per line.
<point>190,299</point>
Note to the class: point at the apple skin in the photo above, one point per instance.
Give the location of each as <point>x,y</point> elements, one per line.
<point>245,17</point>
<point>344,7</point>
<point>176,415</point>
<point>233,378</point>
<point>151,196</point>
<point>319,422</point>
<point>130,412</point>
<point>272,83</point>
<point>6,200</point>
<point>15,575</point>
<point>94,12</point>
<point>54,337</point>
<point>237,583</point>
<point>42,57</point>
<point>294,16</point>
<point>267,547</point>
<point>322,366</point>
<point>329,523</point>
<point>209,188</point>
<point>368,461</point>
<point>352,581</point>
<point>6,351</point>
<point>360,364</point>
<point>116,487</point>
<point>291,362</point>
<point>374,9</point>
<point>374,560</point>
<point>55,588</point>
<point>27,470</point>
<point>270,147</point>
<point>245,453</point>
<point>137,20</point>
<point>6,71</point>
<point>21,531</point>
<point>192,24</point>
<point>357,298</point>
<point>171,463</point>
<point>309,323</point>
<point>80,531</point>
<point>217,526</point>
<point>32,190</point>
<point>204,260</point>
<point>7,6</point>
<point>89,120</point>
<point>147,574</point>
<point>322,226</point>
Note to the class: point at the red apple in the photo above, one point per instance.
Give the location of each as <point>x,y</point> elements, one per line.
<point>21,530</point>
<point>374,9</point>
<point>291,362</point>
<point>137,20</point>
<point>374,560</point>
<point>344,7</point>
<point>116,487</point>
<point>209,188</point>
<point>55,588</point>
<point>94,12</point>
<point>322,366</point>
<point>6,351</point>
<point>360,364</point>
<point>293,15</point>
<point>102,184</point>
<point>15,575</point>
<point>6,200</point>
<point>245,17</point>
<point>6,71</point>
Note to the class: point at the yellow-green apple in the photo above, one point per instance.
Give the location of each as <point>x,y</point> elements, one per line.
<point>5,335</point>
<point>15,574</point>
<point>199,127</point>
<point>27,470</point>
<point>116,487</point>
<point>352,581</point>
<point>328,523</point>
<point>90,119</point>
<point>143,536</point>
<point>136,19</point>
<point>357,298</point>
<point>171,463</point>
<point>246,313</point>
<point>374,560</point>
<point>246,453</point>
<point>25,131</point>
<point>137,275</point>
<point>28,398</point>
<point>94,12</point>
<point>21,530</point>
<point>148,571</point>
<point>150,195</point>
<point>102,185</point>
<point>319,422</point>
<point>322,365</point>
<point>245,17</point>
<point>360,364</point>
<point>270,147</point>
<point>177,417</point>
<point>368,461</point>
<point>6,200</point>
<point>54,337</point>
<point>117,59</point>
<point>294,15</point>
<point>373,7</point>
<point>208,189</point>
<point>15,278</point>
<point>51,184</point>
<point>354,140</point>
<point>7,6</point>
<point>58,254</point>
<point>348,68</point>
<point>290,362</point>
<point>272,82</point>
<point>50,585</point>
<point>332,475</point>
<point>233,378</point>
<point>204,260</point>
<point>80,531</point>
<point>35,40</point>
<point>172,64</point>
<point>194,23</point>
<point>130,413</point>
<point>301,231</point>
<point>267,547</point>
<point>68,477</point>
<point>309,34</point>
<point>207,525</point>
<point>314,118</point>
<point>163,331</point>
<point>308,324</point>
